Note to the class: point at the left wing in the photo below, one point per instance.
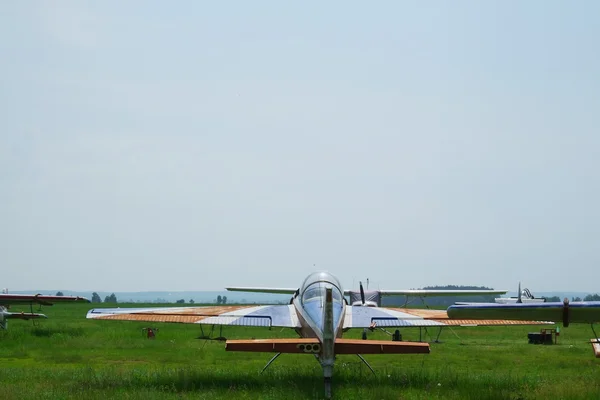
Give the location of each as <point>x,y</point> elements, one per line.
<point>366,317</point>
<point>8,299</point>
<point>283,316</point>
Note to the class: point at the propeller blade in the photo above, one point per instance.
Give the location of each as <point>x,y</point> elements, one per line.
<point>362,294</point>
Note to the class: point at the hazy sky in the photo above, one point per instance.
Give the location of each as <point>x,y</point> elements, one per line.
<point>194,145</point>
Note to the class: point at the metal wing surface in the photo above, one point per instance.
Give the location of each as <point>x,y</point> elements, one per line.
<point>8,299</point>
<point>365,317</point>
<point>20,315</point>
<point>576,312</point>
<point>433,292</point>
<point>266,316</point>
<point>262,290</point>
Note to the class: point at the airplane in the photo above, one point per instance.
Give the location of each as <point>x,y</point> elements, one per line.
<point>317,311</point>
<point>6,300</point>
<point>584,312</point>
<point>372,298</point>
<point>523,296</point>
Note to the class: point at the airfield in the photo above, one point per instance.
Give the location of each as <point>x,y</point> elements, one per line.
<point>70,357</point>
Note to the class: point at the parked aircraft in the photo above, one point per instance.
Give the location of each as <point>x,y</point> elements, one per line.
<point>317,312</point>
<point>584,312</point>
<point>372,298</point>
<point>6,300</point>
<point>523,296</point>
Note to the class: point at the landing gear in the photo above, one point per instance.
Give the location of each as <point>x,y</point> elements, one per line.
<point>204,336</point>
<point>366,363</point>
<point>270,361</point>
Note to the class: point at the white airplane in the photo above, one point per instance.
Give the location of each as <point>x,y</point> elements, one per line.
<point>318,313</point>
<point>6,300</point>
<point>372,298</point>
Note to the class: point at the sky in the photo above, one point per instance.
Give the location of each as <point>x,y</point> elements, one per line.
<point>148,145</point>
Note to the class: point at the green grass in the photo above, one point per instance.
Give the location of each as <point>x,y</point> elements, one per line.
<point>69,357</point>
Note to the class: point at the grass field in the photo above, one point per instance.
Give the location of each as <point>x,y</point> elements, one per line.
<point>69,357</point>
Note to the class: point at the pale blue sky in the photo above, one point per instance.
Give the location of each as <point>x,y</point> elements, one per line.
<point>194,145</point>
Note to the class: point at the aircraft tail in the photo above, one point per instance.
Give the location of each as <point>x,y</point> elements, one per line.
<point>308,345</point>
<point>313,346</point>
<point>355,346</point>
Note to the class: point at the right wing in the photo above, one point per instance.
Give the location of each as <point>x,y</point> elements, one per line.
<point>283,316</point>
<point>367,317</point>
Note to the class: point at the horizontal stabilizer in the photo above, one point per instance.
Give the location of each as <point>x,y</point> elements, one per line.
<point>313,346</point>
<point>354,346</point>
<point>309,345</point>
<point>596,345</point>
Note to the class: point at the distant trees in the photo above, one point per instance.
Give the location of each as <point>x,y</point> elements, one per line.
<point>221,300</point>
<point>180,301</point>
<point>59,293</point>
<point>575,298</point>
<point>110,299</point>
<point>191,301</point>
<point>592,297</point>
<point>96,298</point>
<point>224,299</point>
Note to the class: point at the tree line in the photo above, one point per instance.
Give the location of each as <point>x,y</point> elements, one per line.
<point>112,298</point>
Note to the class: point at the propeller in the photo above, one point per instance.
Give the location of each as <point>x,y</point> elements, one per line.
<point>519,298</point>
<point>362,294</point>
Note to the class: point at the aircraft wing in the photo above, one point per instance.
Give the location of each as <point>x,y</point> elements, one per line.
<point>262,290</point>
<point>577,312</point>
<point>431,292</point>
<point>20,315</point>
<point>366,317</point>
<point>267,316</point>
<point>8,299</point>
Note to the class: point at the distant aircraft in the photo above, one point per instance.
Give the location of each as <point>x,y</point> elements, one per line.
<point>6,300</point>
<point>584,312</point>
<point>524,296</point>
<point>372,298</point>
<point>318,312</point>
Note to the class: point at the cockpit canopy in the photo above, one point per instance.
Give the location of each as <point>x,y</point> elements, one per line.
<point>316,291</point>
<point>313,298</point>
<point>323,277</point>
